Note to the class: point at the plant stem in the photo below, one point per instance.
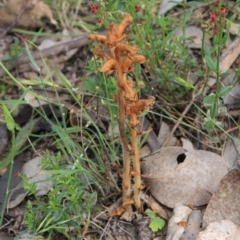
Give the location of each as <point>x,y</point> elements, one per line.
<point>219,48</point>
<point>126,186</point>
<point>136,167</point>
<point>12,154</point>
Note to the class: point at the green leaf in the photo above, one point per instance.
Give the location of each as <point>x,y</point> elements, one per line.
<point>199,73</point>
<point>225,74</point>
<point>214,110</point>
<point>211,64</point>
<point>19,142</point>
<point>209,125</point>
<point>32,60</point>
<point>170,35</point>
<point>235,28</point>
<point>194,4</point>
<point>188,14</point>
<point>91,84</point>
<point>209,99</point>
<point>185,83</point>
<point>8,118</point>
<point>156,224</point>
<point>225,90</point>
<point>225,39</point>
<point>150,213</point>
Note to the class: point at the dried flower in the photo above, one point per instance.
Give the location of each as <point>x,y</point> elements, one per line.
<point>215,30</point>
<point>216,3</point>
<point>100,53</point>
<point>116,31</point>
<point>99,22</point>
<point>99,38</point>
<point>129,61</point>
<point>17,175</point>
<point>115,34</point>
<point>213,17</point>
<point>123,49</point>
<point>224,10</point>
<point>137,8</point>
<point>137,108</point>
<point>128,30</point>
<point>110,66</point>
<point>93,8</point>
<point>141,20</point>
<point>130,94</point>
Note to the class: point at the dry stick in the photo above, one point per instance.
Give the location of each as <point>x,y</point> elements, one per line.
<point>105,228</point>
<point>136,167</point>
<point>17,18</point>
<point>49,52</point>
<point>180,119</point>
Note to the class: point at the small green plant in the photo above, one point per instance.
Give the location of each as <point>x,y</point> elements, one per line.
<point>156,223</point>
<point>77,179</point>
<point>215,28</point>
<point>69,202</point>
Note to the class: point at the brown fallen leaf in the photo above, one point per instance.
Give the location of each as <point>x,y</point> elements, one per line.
<point>229,55</point>
<point>33,172</point>
<point>163,134</point>
<point>15,180</point>
<point>183,175</point>
<point>225,202</point>
<point>231,153</point>
<point>34,11</point>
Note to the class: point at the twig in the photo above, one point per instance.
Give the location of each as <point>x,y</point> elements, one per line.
<point>7,223</point>
<point>17,18</point>
<point>49,52</point>
<point>105,229</point>
<point>95,224</point>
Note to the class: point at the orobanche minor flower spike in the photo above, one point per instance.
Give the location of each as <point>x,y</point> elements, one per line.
<point>120,61</point>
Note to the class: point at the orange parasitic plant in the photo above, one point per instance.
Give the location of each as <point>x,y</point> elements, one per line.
<point>120,60</point>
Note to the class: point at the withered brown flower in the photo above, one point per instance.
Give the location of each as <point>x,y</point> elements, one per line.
<point>100,53</point>
<point>123,49</point>
<point>98,38</point>
<point>129,61</point>
<point>136,108</point>
<point>116,31</point>
<point>121,60</point>
<point>115,34</point>
<point>110,66</point>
